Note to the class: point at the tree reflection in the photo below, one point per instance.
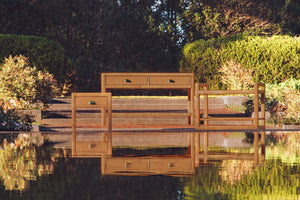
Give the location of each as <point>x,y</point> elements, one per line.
<point>275,180</point>
<point>19,162</point>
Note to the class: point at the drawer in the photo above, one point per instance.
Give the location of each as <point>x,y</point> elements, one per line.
<point>182,165</point>
<point>93,147</point>
<point>91,101</point>
<point>170,80</point>
<point>126,80</point>
<point>126,165</point>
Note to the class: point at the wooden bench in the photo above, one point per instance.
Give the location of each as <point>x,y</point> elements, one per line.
<point>152,81</point>
<point>202,89</point>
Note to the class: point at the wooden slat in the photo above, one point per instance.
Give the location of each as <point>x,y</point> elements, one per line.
<point>224,92</point>
<point>197,112</point>
<point>150,114</point>
<point>227,156</point>
<point>227,119</point>
<point>226,127</point>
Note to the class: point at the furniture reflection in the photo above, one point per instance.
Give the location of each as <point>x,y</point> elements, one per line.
<point>96,145</point>
<point>135,162</point>
<point>206,155</point>
<point>100,146</point>
<point>177,166</point>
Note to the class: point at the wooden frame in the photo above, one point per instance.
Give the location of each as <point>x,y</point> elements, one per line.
<point>152,81</point>
<point>93,100</point>
<point>202,89</point>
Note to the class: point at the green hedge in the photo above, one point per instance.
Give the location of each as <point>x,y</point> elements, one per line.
<point>45,54</point>
<point>272,59</point>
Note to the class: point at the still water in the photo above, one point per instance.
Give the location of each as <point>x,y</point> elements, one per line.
<point>152,166</point>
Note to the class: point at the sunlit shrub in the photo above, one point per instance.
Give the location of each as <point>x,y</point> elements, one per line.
<point>44,54</point>
<point>235,77</point>
<point>22,86</point>
<point>272,59</point>
<point>283,97</point>
<point>288,96</point>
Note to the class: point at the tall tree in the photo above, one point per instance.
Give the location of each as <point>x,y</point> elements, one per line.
<point>139,35</point>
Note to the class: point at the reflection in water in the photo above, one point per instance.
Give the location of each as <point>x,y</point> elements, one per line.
<point>164,168</point>
<point>233,170</point>
<point>19,162</point>
<point>148,164</point>
<point>273,181</point>
<point>287,148</point>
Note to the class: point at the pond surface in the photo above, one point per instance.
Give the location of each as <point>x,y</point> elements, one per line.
<point>152,166</point>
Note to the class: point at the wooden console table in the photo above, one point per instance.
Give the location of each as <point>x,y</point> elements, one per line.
<point>152,81</point>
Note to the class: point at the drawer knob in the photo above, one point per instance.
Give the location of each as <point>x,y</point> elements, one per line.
<point>127,165</point>
<point>171,165</point>
<point>171,81</point>
<point>92,103</point>
<point>127,81</point>
<point>91,146</point>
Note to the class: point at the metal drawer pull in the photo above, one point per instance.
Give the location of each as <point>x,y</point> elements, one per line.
<point>127,81</point>
<point>171,81</point>
<point>91,146</point>
<point>92,102</point>
<point>171,165</point>
<point>127,165</point>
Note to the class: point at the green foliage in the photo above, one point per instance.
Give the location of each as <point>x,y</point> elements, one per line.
<point>210,20</point>
<point>287,94</point>
<point>46,55</point>
<point>22,86</point>
<point>19,163</point>
<point>10,120</point>
<point>137,36</point>
<point>283,97</point>
<point>272,59</point>
<point>235,77</point>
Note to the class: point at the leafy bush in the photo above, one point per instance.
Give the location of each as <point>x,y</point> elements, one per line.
<point>272,59</point>
<point>284,97</point>
<point>46,55</point>
<point>235,77</point>
<point>22,86</point>
<point>287,94</point>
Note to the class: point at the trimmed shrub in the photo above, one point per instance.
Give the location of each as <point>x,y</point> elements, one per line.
<point>22,86</point>
<point>272,59</point>
<point>46,55</point>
